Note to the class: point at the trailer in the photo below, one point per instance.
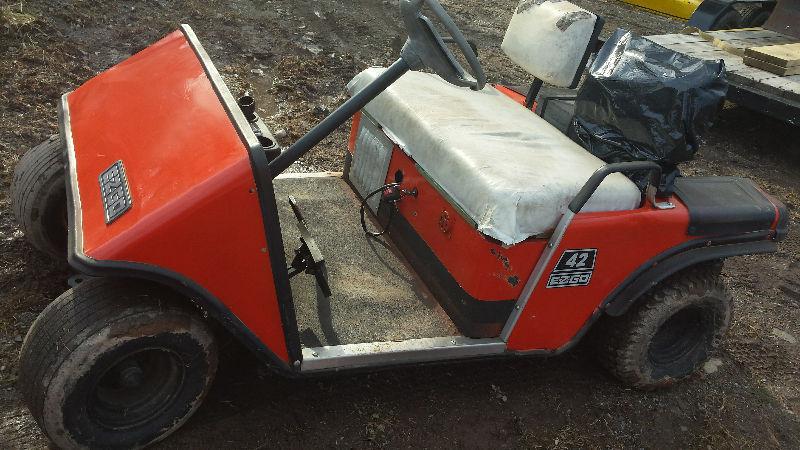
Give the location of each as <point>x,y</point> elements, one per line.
<point>751,87</point>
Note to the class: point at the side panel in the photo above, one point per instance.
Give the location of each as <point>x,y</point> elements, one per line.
<point>484,268</point>
<point>622,241</point>
<point>195,203</point>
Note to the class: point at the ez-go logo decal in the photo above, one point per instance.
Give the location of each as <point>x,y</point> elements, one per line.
<point>115,192</point>
<point>574,268</point>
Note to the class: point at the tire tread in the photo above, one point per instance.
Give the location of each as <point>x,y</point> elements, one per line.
<point>614,338</point>
<point>34,175</point>
<point>63,325</point>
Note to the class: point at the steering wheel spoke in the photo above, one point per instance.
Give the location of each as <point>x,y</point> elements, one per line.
<point>427,48</point>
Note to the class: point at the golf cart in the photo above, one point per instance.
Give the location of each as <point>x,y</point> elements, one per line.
<point>463,226</point>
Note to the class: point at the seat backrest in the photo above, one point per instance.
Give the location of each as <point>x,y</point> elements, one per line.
<point>552,40</point>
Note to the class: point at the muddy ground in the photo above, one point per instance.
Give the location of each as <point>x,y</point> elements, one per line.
<point>296,57</point>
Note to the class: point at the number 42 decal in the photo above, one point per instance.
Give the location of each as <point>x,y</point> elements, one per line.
<point>574,268</point>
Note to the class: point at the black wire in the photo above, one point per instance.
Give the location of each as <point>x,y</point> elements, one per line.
<point>363,208</point>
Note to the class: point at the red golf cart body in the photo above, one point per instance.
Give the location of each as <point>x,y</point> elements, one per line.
<point>202,218</point>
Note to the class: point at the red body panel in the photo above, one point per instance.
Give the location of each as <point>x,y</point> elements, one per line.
<point>482,267</point>
<point>624,241</point>
<point>195,210</point>
<point>513,95</point>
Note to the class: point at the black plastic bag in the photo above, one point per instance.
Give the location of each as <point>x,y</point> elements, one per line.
<point>644,102</point>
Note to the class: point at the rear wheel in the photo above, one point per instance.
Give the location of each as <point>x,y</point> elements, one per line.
<point>728,21</point>
<point>668,334</point>
<point>755,16</point>
<point>39,197</point>
<point>115,364</point>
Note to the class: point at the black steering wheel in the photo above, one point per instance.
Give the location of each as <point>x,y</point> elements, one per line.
<point>426,48</point>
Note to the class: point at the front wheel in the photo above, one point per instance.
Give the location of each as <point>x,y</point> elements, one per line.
<point>670,333</point>
<point>39,197</point>
<point>115,364</point>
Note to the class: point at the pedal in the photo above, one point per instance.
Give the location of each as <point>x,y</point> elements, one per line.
<point>308,257</point>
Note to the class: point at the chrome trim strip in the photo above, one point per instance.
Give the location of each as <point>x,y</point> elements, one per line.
<point>375,354</point>
<point>538,272</point>
<point>228,100</point>
<point>65,127</point>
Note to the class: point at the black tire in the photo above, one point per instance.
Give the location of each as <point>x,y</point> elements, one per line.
<point>730,20</point>
<point>115,364</point>
<point>39,197</point>
<point>669,333</point>
<point>755,16</point>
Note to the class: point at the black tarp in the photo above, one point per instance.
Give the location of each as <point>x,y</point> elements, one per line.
<point>642,101</point>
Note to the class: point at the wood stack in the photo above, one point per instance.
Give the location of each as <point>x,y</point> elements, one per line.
<point>783,60</point>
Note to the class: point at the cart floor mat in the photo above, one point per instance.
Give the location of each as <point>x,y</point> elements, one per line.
<point>376,295</point>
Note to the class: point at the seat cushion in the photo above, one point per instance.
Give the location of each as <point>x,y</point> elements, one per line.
<point>508,169</point>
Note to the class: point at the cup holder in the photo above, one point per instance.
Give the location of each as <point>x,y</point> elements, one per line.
<point>266,142</point>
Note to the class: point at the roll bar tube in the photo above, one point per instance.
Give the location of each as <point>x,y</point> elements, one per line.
<point>338,117</point>
<point>600,174</point>
<point>577,203</point>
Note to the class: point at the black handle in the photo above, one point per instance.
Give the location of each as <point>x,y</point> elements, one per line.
<point>600,174</point>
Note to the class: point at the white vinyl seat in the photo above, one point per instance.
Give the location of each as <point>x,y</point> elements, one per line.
<point>508,169</point>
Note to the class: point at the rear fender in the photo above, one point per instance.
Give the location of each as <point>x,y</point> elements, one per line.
<point>674,261</point>
<point>731,217</point>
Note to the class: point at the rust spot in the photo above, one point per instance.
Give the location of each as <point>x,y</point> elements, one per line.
<point>568,19</point>
<point>513,280</point>
<point>445,224</point>
<point>502,258</point>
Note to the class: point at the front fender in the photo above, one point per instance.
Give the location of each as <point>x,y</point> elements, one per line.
<point>200,213</point>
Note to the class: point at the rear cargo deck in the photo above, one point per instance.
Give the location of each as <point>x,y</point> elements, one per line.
<point>376,294</point>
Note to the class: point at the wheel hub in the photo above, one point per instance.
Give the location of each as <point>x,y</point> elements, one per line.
<point>131,376</point>
<point>137,389</point>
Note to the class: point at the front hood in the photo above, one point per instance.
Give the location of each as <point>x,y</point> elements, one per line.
<point>167,180</point>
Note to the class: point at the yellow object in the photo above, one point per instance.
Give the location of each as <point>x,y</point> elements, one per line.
<point>682,9</point>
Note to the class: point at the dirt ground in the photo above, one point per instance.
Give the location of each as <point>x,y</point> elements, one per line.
<point>296,58</point>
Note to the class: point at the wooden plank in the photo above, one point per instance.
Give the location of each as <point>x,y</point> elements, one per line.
<point>786,55</point>
<point>752,73</point>
<point>738,73</point>
<point>769,67</point>
<point>743,33</point>
<point>711,53</point>
<point>732,63</point>
<point>740,41</point>
<point>741,44</point>
<point>667,39</point>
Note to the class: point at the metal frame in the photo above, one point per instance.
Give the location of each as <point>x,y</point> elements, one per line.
<point>338,117</point>
<point>764,102</point>
<point>371,354</point>
<point>574,208</point>
<point>538,272</point>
